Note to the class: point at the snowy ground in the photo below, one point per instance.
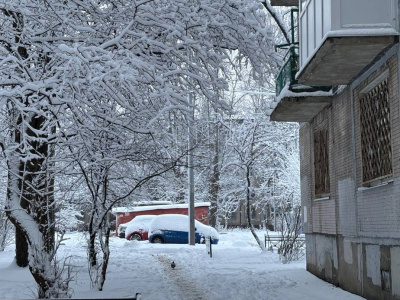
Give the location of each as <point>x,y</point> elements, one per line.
<point>238,270</point>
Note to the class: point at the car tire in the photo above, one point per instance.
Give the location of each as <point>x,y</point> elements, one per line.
<point>135,237</point>
<point>158,240</point>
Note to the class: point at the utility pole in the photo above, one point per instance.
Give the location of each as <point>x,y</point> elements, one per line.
<point>190,172</point>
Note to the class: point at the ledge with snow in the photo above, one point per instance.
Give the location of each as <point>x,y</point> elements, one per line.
<point>292,106</point>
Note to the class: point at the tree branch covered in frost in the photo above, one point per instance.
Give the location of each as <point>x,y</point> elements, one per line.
<point>73,73</point>
<point>278,19</point>
<point>114,163</point>
<point>6,234</point>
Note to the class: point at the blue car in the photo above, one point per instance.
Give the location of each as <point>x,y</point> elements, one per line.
<point>173,229</point>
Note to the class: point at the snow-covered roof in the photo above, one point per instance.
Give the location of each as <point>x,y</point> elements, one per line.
<point>153,207</point>
<point>147,203</point>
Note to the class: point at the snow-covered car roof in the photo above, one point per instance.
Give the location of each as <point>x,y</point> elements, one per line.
<point>139,222</point>
<point>178,222</point>
<point>136,219</point>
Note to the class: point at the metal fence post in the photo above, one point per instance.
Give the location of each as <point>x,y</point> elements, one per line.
<point>208,245</point>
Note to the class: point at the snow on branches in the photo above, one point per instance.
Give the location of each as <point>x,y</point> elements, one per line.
<point>76,73</point>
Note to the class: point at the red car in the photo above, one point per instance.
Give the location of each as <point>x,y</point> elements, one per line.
<point>138,228</point>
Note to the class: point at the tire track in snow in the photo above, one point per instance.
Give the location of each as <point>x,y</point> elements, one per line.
<point>182,280</point>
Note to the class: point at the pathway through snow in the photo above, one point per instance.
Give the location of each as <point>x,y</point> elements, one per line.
<point>180,277</point>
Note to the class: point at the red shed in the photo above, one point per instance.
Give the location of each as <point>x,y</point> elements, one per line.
<point>125,214</point>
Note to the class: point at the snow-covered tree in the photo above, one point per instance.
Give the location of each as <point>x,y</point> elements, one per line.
<point>6,228</point>
<point>114,163</point>
<point>66,61</point>
<point>282,175</point>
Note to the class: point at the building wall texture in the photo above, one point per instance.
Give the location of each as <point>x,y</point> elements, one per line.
<point>353,234</point>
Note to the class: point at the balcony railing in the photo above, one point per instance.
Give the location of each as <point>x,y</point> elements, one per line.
<point>291,59</point>
<point>287,75</point>
<point>288,70</point>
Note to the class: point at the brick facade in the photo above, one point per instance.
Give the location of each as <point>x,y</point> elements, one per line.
<point>353,234</point>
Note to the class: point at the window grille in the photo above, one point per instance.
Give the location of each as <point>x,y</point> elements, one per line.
<point>321,163</point>
<point>376,149</point>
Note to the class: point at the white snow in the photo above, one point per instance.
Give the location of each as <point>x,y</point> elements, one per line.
<point>237,270</point>
<point>364,30</point>
<point>137,223</point>
<point>179,223</point>
<point>286,93</point>
<point>153,207</point>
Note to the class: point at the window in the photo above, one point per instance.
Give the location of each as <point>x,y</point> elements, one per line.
<point>376,150</point>
<point>321,163</point>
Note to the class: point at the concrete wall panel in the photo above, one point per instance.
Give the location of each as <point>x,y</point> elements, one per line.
<point>373,258</point>
<point>348,252</point>
<point>395,270</point>
<point>346,202</point>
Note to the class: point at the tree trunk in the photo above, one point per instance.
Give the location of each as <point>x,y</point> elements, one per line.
<point>92,250</point>
<point>21,244</point>
<point>105,247</point>
<point>248,209</point>
<point>214,183</point>
<point>30,201</point>
<point>21,249</point>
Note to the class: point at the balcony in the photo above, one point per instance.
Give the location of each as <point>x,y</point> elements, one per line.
<point>339,38</point>
<point>296,102</point>
<point>299,108</point>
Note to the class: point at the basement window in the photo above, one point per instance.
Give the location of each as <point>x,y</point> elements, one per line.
<point>321,164</point>
<point>376,150</point>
